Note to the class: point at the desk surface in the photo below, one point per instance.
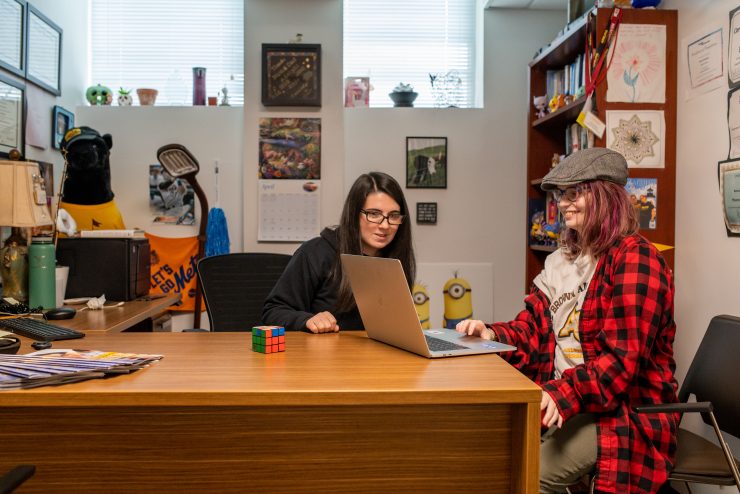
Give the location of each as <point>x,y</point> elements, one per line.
<point>221,369</point>
<point>335,413</point>
<point>117,319</point>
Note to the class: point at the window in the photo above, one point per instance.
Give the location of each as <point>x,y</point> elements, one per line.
<point>394,41</point>
<point>155,44</point>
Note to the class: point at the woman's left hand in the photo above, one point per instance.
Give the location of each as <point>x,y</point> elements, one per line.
<point>552,414</point>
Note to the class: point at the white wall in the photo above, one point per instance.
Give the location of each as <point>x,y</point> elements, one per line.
<point>482,212</point>
<point>277,21</point>
<point>707,270</point>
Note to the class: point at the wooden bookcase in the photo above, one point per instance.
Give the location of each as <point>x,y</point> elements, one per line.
<point>545,136</point>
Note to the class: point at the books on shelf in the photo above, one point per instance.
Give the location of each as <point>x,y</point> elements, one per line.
<point>577,138</point>
<point>130,233</point>
<point>62,366</point>
<point>567,80</point>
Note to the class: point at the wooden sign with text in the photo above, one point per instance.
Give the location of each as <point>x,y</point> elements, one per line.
<point>291,75</point>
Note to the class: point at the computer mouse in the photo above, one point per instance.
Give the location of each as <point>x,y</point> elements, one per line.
<point>60,313</point>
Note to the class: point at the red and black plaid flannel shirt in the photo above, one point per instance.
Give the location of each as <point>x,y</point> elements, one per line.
<point>626,331</point>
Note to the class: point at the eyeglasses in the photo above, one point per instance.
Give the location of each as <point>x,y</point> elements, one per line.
<point>571,194</point>
<point>374,216</point>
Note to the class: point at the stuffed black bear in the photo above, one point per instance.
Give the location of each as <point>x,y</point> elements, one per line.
<point>86,191</point>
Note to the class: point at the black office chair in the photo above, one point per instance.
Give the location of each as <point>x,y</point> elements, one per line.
<point>713,379</point>
<point>11,480</point>
<point>235,287</point>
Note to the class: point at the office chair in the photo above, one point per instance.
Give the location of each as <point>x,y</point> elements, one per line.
<point>712,378</point>
<point>235,287</point>
<point>11,480</point>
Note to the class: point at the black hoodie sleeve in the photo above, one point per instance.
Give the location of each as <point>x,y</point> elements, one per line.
<point>290,301</point>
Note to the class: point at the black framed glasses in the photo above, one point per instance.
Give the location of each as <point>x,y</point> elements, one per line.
<point>375,216</point>
<point>571,194</point>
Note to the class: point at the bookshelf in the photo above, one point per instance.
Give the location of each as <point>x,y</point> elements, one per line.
<point>546,135</point>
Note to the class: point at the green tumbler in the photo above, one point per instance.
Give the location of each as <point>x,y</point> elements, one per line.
<point>41,273</point>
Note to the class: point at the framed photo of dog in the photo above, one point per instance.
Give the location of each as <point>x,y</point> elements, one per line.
<point>61,121</point>
<point>426,162</point>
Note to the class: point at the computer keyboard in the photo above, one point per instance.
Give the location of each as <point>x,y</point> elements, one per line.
<point>39,330</point>
<point>437,345</point>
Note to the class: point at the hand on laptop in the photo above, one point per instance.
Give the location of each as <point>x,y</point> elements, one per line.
<point>473,327</point>
<point>323,322</point>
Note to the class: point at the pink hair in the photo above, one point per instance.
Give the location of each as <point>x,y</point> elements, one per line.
<point>609,217</point>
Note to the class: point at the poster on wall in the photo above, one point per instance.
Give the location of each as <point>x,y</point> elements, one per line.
<point>289,210</point>
<point>290,148</point>
<point>705,62</point>
<point>638,135</point>
<point>733,62</point>
<point>729,186</point>
<point>171,200</point>
<point>643,193</point>
<point>637,71</point>
<point>733,122</point>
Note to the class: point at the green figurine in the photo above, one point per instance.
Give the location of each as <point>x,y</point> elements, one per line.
<point>99,95</point>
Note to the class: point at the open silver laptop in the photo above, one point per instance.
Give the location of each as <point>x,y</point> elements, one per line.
<point>388,312</point>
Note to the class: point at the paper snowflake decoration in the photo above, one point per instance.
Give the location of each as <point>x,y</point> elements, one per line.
<point>634,139</point>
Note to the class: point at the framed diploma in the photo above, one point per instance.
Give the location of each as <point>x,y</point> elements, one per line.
<point>44,55</point>
<point>729,185</point>
<point>291,75</point>
<point>733,64</point>
<point>11,116</point>
<point>12,36</point>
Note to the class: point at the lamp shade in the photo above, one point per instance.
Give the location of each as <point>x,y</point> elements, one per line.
<point>22,195</point>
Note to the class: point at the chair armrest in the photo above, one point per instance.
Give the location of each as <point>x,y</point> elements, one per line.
<point>15,477</point>
<point>702,407</point>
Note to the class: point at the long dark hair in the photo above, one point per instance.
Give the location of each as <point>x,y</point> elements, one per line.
<point>350,242</point>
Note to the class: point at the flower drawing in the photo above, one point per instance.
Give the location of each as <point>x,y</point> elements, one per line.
<point>639,62</point>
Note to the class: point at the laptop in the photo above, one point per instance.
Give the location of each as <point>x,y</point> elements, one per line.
<point>388,313</point>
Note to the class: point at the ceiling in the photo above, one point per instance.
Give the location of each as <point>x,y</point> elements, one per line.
<point>527,4</point>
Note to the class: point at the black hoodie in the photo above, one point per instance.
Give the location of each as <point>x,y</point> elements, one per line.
<point>304,289</point>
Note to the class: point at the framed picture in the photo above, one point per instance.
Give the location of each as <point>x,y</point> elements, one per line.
<point>426,162</point>
<point>61,121</point>
<point>47,173</point>
<point>44,51</point>
<point>291,75</point>
<point>12,111</point>
<point>13,40</point>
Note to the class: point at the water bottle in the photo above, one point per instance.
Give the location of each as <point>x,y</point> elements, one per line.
<point>41,273</point>
<point>199,86</point>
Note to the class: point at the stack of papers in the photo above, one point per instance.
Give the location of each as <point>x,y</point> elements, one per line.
<point>52,367</point>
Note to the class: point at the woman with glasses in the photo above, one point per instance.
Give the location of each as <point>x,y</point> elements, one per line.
<point>597,336</point>
<point>313,294</point>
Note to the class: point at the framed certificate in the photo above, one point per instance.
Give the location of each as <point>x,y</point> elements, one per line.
<point>11,116</point>
<point>44,52</point>
<point>291,75</point>
<point>13,36</point>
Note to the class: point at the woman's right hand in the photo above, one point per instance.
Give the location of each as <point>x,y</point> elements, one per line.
<point>474,327</point>
<point>323,322</point>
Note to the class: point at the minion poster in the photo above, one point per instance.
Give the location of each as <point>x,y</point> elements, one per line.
<point>446,293</point>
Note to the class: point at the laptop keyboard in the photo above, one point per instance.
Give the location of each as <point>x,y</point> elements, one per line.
<point>437,345</point>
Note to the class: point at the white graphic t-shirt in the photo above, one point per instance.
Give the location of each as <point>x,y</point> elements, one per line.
<point>565,283</point>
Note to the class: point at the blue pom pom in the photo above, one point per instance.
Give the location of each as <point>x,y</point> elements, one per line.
<point>217,233</point>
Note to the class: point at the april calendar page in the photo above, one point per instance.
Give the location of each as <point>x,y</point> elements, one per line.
<point>288,210</point>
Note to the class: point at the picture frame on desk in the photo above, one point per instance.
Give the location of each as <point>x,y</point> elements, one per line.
<point>13,47</point>
<point>12,116</point>
<point>61,121</point>
<point>426,162</point>
<point>291,74</point>
<point>44,51</point>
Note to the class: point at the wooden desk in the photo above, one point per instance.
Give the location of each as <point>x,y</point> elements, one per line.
<point>117,319</point>
<point>335,413</point>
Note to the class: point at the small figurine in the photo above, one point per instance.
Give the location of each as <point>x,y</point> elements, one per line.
<point>536,233</point>
<point>298,38</point>
<point>555,159</point>
<point>99,95</point>
<point>224,96</point>
<point>540,102</point>
<point>124,97</point>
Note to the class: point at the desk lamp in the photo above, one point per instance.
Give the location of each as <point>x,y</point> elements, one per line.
<point>180,163</point>
<point>22,205</point>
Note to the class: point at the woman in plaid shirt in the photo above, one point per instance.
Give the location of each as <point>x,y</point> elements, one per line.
<point>597,336</point>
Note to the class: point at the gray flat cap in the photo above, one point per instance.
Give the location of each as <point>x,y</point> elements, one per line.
<point>585,165</point>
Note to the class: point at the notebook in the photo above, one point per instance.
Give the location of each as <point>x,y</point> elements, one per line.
<point>387,309</point>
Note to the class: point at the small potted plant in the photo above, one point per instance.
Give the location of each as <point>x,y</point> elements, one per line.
<point>403,95</point>
<point>124,97</point>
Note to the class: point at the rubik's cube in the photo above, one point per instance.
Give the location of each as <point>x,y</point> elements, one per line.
<point>268,339</point>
